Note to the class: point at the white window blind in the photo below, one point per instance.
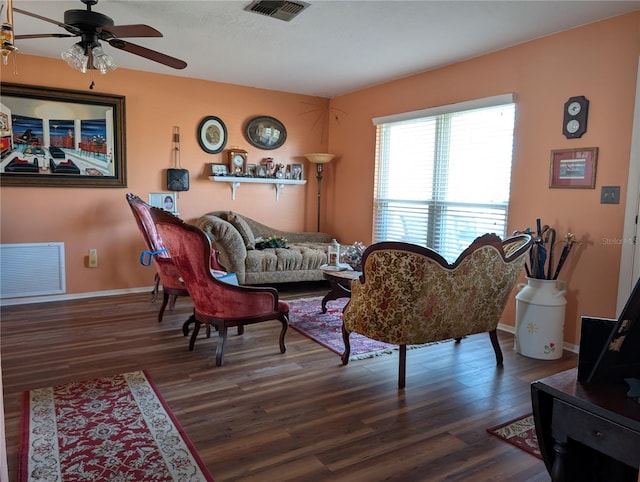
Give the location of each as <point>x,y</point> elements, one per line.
<point>442,180</point>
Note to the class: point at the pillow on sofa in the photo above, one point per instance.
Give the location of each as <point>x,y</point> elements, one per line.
<point>243,228</point>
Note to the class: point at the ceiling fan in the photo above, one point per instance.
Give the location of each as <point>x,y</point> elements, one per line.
<point>91,27</point>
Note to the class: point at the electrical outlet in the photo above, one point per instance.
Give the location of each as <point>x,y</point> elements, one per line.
<point>93,258</point>
<point>610,195</point>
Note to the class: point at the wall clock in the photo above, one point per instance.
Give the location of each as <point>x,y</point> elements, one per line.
<point>237,161</point>
<point>574,118</point>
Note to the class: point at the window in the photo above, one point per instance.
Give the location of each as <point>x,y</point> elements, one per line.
<point>443,175</point>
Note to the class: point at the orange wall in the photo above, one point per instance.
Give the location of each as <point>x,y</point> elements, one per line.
<point>598,61</point>
<point>100,218</point>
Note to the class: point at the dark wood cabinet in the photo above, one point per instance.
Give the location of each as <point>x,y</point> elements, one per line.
<point>586,432</point>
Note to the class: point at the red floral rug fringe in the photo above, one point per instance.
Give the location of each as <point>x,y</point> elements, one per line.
<point>109,428</point>
<point>520,432</point>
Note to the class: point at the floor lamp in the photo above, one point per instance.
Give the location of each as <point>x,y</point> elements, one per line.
<point>319,160</point>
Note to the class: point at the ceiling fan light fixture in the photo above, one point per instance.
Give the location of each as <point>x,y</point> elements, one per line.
<point>91,27</point>
<point>101,60</point>
<point>76,58</point>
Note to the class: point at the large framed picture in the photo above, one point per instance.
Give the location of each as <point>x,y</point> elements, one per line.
<point>266,132</point>
<point>574,168</point>
<point>62,138</point>
<point>212,134</point>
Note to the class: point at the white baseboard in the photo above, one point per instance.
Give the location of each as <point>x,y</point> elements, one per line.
<point>73,296</point>
<point>77,296</point>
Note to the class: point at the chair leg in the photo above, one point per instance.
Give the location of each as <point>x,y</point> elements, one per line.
<point>194,335</point>
<point>156,288</point>
<point>493,334</point>
<point>402,368</point>
<point>185,325</point>
<point>285,324</point>
<point>172,302</point>
<point>347,346</point>
<point>192,319</point>
<point>165,300</point>
<point>222,339</point>
<point>240,329</point>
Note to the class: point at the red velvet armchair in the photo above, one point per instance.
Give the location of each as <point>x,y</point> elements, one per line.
<point>167,274</point>
<point>216,303</point>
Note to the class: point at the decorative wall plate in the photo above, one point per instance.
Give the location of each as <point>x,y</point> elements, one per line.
<point>212,134</point>
<point>266,132</point>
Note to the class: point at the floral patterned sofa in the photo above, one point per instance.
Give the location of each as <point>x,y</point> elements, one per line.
<point>234,237</point>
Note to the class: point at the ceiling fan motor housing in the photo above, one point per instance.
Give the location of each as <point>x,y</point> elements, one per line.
<point>86,19</point>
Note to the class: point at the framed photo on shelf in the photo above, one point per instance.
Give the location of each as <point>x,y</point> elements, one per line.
<point>573,168</point>
<point>164,200</point>
<point>261,170</point>
<point>219,169</point>
<point>297,172</point>
<point>251,170</point>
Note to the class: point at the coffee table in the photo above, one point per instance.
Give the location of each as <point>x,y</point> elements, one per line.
<point>340,284</point>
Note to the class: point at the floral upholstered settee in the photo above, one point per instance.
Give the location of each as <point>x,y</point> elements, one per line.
<point>410,295</point>
<point>234,236</point>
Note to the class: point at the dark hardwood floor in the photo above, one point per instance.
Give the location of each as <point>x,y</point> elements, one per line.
<point>297,416</point>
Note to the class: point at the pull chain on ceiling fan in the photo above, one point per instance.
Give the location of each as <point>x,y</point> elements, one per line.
<point>92,27</point>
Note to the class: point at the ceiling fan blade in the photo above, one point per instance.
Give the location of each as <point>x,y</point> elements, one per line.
<point>136,30</point>
<point>43,35</point>
<point>69,28</point>
<point>148,53</point>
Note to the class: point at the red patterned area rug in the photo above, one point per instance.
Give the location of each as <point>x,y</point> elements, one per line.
<point>520,432</point>
<point>111,428</point>
<point>306,317</point>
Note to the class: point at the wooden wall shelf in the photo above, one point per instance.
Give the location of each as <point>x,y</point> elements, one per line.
<point>235,182</point>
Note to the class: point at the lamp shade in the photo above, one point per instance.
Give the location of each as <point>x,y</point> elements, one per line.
<point>319,158</point>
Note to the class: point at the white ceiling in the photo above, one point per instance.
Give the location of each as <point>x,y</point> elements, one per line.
<point>333,47</point>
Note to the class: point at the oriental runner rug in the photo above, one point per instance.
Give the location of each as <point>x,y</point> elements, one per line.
<point>520,432</point>
<point>110,428</point>
<point>306,317</point>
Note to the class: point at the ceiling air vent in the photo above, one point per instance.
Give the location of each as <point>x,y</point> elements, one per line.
<point>282,10</point>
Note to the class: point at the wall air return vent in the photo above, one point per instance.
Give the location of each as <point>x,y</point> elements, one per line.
<point>282,10</point>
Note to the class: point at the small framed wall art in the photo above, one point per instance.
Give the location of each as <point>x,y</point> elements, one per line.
<point>573,168</point>
<point>212,134</point>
